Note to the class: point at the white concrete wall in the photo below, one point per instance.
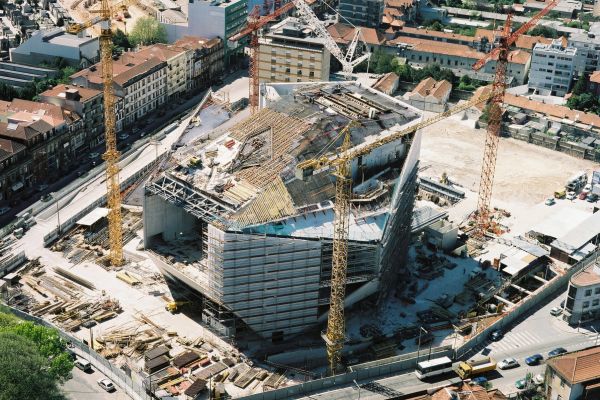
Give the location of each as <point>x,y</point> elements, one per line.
<point>161,217</point>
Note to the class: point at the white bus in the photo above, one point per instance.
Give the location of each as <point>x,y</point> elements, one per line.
<point>437,366</point>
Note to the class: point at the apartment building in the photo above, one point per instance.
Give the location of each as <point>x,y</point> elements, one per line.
<point>583,296</point>
<point>588,51</point>
<point>574,376</point>
<point>204,60</point>
<point>552,68</point>
<point>141,82</point>
<point>209,19</point>
<point>366,13</point>
<point>291,52</point>
<point>88,104</point>
<point>177,66</point>
<point>40,142</point>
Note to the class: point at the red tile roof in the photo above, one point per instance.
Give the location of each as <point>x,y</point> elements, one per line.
<point>431,87</point>
<point>343,33</point>
<point>579,366</point>
<point>60,90</point>
<point>386,82</point>
<point>595,77</point>
<point>435,47</point>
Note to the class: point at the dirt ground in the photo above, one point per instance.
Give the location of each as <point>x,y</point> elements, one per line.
<point>525,173</point>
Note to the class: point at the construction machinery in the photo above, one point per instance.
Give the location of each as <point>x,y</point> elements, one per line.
<point>501,54</point>
<point>111,156</point>
<point>340,163</point>
<point>175,306</point>
<point>256,22</point>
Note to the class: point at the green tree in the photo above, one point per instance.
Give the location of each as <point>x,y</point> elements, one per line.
<point>580,85</point>
<point>404,72</point>
<point>146,31</point>
<point>545,31</point>
<point>584,102</point>
<point>382,62</point>
<point>120,41</point>
<point>24,372</point>
<point>436,26</point>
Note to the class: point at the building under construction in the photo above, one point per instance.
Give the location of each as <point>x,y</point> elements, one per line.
<point>238,223</point>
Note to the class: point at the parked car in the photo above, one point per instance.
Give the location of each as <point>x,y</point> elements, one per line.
<point>93,155</point>
<point>582,195</point>
<point>479,380</point>
<point>83,365</point>
<point>123,136</point>
<point>534,359</point>
<point>41,187</point>
<point>496,335</point>
<point>508,363</point>
<point>106,384</point>
<point>555,311</point>
<point>557,352</point>
<point>89,324</point>
<point>571,195</point>
<point>4,210</point>
<point>550,201</point>
<point>521,383</point>
<point>592,198</point>
<point>587,188</point>
<point>46,197</point>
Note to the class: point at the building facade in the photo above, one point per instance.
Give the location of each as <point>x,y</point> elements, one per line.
<point>552,68</point>
<point>365,13</point>
<point>204,61</point>
<point>209,19</point>
<point>177,66</point>
<point>290,52</point>
<point>583,296</point>
<point>588,51</point>
<point>573,376</point>
<point>50,45</point>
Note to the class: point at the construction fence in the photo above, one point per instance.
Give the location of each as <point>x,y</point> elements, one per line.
<point>131,382</point>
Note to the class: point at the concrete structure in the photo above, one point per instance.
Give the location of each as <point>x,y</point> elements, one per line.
<point>367,13</point>
<point>442,234</point>
<point>588,51</point>
<point>574,244</point>
<point>50,45</point>
<point>430,95</point>
<point>20,75</point>
<point>209,19</point>
<point>291,52</point>
<point>574,376</point>
<point>85,102</point>
<point>564,8</point>
<point>236,222</point>
<point>583,296</point>
<point>140,80</point>
<point>552,68</point>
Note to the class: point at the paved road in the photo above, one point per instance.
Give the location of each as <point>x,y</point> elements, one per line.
<point>538,333</point>
<point>84,386</point>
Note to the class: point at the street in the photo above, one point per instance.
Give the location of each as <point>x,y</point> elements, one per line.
<point>84,385</point>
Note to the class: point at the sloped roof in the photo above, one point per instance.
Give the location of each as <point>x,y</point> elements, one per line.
<point>196,42</point>
<point>60,91</point>
<point>438,34</point>
<point>519,57</point>
<point>399,3</point>
<point>578,366</point>
<point>386,82</point>
<point>8,148</point>
<point>435,47</point>
<point>24,131</point>
<point>595,77</point>
<point>343,33</point>
<point>527,42</point>
<point>431,87</point>
<point>161,51</point>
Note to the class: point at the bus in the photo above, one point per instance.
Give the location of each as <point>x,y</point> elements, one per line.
<point>437,366</point>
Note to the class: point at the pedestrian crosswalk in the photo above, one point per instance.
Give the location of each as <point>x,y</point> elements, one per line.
<point>516,340</point>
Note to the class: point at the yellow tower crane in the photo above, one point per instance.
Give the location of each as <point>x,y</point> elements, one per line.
<point>340,163</point>
<point>111,156</point>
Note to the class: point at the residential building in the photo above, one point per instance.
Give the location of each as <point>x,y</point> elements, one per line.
<point>204,60</point>
<point>261,230</point>
<point>588,51</point>
<point>50,45</point>
<point>291,52</point>
<point>40,142</point>
<point>387,84</point>
<point>583,296</point>
<point>574,376</point>
<point>552,68</point>
<point>343,35</point>
<point>209,19</point>
<point>594,83</point>
<point>367,13</point>
<point>177,66</point>
<point>430,95</point>
<point>20,75</point>
<point>458,58</point>
<point>397,12</point>
<point>85,102</point>
<point>564,9</point>
<point>140,80</point>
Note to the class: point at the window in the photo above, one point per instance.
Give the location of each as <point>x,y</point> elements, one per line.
<point>586,304</point>
<point>597,290</point>
<point>588,292</point>
<point>595,302</point>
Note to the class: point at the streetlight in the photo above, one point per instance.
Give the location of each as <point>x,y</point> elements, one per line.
<point>57,213</point>
<point>419,347</point>
<point>358,386</point>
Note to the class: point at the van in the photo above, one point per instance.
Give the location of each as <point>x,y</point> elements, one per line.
<point>83,365</point>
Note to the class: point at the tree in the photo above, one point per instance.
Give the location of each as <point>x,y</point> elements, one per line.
<point>120,41</point>
<point>146,31</point>
<point>382,62</point>
<point>436,26</point>
<point>404,72</point>
<point>580,86</point>
<point>24,372</point>
<point>545,31</point>
<point>584,102</point>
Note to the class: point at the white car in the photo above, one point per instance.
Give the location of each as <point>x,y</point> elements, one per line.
<point>106,384</point>
<point>4,210</point>
<point>571,195</point>
<point>555,311</point>
<point>508,363</point>
<point>538,379</point>
<point>587,188</point>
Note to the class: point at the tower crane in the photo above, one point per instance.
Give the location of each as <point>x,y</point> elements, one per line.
<point>490,155</point>
<point>111,156</point>
<point>255,22</point>
<point>340,163</point>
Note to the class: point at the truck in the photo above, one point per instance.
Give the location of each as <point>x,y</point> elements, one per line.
<point>577,182</point>
<point>475,367</point>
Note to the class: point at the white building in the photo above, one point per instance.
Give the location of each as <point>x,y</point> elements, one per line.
<point>574,375</point>
<point>583,296</point>
<point>49,45</point>
<point>552,68</point>
<point>430,95</point>
<point>176,60</point>
<point>588,51</point>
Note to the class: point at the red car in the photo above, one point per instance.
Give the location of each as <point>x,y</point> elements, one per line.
<point>582,195</point>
